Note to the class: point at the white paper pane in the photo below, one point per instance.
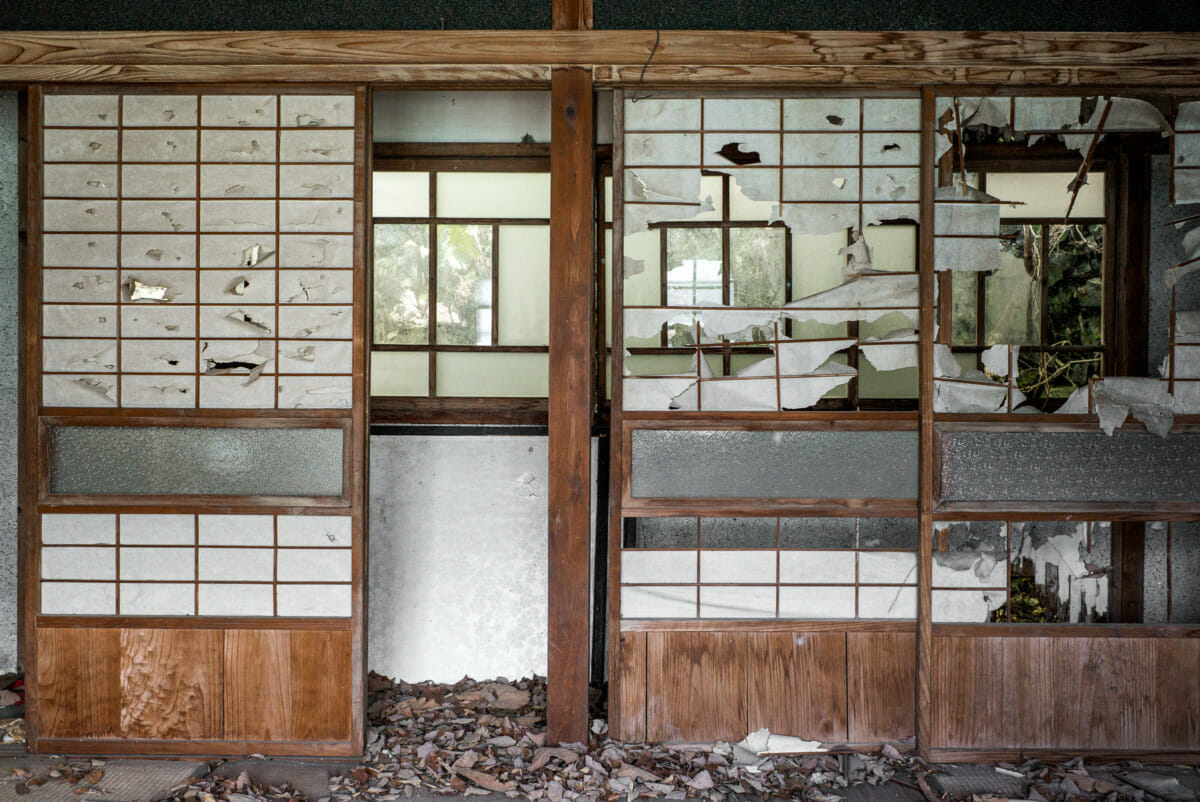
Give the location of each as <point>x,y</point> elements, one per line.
<point>79,598</point>
<point>251,600</point>
<point>158,599</point>
<point>321,601</point>
<point>880,567</point>
<point>248,565</point>
<point>78,528</point>
<point>400,373</point>
<point>816,603</point>
<point>966,606</point>
<point>524,285</point>
<point>727,565</point>
<point>481,374</point>
<point>236,530</point>
<point>1046,194</point>
<point>153,562</point>
<point>399,194</point>
<point>79,562</point>
<point>314,530</point>
<point>737,602</point>
<point>314,565</point>
<point>885,602</point>
<point>646,565</point>
<point>658,602</point>
<point>816,567</point>
<point>493,195</point>
<point>158,530</point>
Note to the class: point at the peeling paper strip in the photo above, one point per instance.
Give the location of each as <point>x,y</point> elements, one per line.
<point>644,323</point>
<point>956,396</point>
<point>1001,360</point>
<point>944,363</point>
<point>797,357</point>
<point>802,393</point>
<point>816,218</point>
<point>890,354</point>
<point>725,321</point>
<point>979,219</point>
<point>662,185</point>
<point>639,216</point>
<point>1146,399</point>
<point>891,290</point>
<point>1079,589</point>
<point>835,316</point>
<point>644,394</point>
<point>1077,403</point>
<point>966,254</point>
<point>739,395</point>
<point>144,292</point>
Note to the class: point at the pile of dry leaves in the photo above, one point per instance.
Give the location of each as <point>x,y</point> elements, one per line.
<point>489,739</point>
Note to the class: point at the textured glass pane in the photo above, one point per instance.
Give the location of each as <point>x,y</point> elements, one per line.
<point>1069,466</point>
<point>773,464</point>
<point>194,460</point>
<point>1013,294</point>
<point>1076,291</point>
<point>817,533</point>
<point>964,307</point>
<point>524,276</point>
<point>888,533</point>
<point>400,195</point>
<point>757,273</point>
<point>401,284</point>
<point>738,533</point>
<point>464,285</point>
<point>499,195</point>
<point>1185,573</point>
<point>693,266</point>
<point>660,533</point>
<point>493,374</point>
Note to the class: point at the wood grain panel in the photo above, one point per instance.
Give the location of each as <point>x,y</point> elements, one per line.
<point>78,683</point>
<point>799,48</point>
<point>1028,692</point>
<point>1104,697</point>
<point>629,703</point>
<point>881,669</point>
<point>1175,668</point>
<point>695,686</point>
<point>321,682</point>
<point>258,694</point>
<point>968,689</point>
<point>796,683</point>
<point>171,683</point>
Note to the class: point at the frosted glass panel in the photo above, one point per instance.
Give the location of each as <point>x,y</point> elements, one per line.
<point>1069,466</point>
<point>399,373</point>
<point>401,288</point>
<point>191,460</point>
<point>1046,194</point>
<point>501,375</point>
<point>461,116</point>
<point>524,277</point>
<point>781,464</point>
<point>501,195</point>
<point>400,194</point>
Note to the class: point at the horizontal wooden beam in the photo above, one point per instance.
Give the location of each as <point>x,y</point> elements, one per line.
<point>794,57</point>
<point>762,625</point>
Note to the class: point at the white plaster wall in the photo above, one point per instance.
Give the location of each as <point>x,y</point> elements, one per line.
<point>9,411</point>
<point>457,556</point>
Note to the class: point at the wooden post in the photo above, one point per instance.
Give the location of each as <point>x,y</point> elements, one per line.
<point>925,502</point>
<point>570,412</point>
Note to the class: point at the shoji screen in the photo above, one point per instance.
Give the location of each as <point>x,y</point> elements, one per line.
<point>195,410</point>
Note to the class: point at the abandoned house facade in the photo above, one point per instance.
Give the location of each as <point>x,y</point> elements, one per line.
<point>844,384</point>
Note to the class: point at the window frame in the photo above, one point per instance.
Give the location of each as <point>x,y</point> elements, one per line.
<point>435,158</point>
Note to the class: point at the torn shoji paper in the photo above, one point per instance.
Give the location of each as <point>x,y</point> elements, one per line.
<point>1185,150</point>
<point>894,351</point>
<point>958,390</point>
<point>1082,584</point>
<point>1077,403</point>
<point>1190,243</point>
<point>865,298</point>
<point>966,230</point>
<point>797,379</point>
<point>225,357</point>
<point>1147,400</point>
<point>1001,360</point>
<point>642,323</point>
<point>639,216</point>
<point>797,357</point>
